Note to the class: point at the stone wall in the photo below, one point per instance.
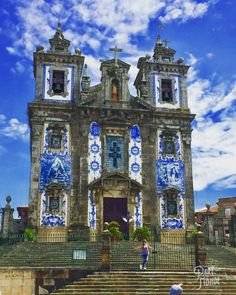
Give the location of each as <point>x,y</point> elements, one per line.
<point>17,282</point>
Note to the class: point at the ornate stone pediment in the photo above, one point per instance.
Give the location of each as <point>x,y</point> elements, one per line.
<point>115,119</point>
<point>115,180</point>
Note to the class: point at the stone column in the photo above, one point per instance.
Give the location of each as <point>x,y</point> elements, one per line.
<point>106,249</point>
<point>200,248</point>
<point>209,221</point>
<point>189,179</point>
<point>233,228</point>
<point>7,218</point>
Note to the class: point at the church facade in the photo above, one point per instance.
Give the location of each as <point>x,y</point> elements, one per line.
<point>99,153</point>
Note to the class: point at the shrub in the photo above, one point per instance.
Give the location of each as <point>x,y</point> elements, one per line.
<point>114,229</point>
<point>141,233</point>
<point>29,234</point>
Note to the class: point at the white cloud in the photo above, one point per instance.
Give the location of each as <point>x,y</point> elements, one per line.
<point>19,67</point>
<point>184,10</point>
<point>229,182</point>
<point>210,55</point>
<point>15,130</point>
<point>11,50</point>
<point>2,118</point>
<point>92,23</point>
<point>214,140</point>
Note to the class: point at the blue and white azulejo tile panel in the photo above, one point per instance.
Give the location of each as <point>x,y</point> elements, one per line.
<point>172,222</point>
<point>135,154</point>
<point>55,168</point>
<point>94,152</point>
<point>52,220</point>
<point>65,139</point>
<point>91,211</point>
<point>170,174</point>
<point>138,212</point>
<point>170,171</point>
<point>178,145</point>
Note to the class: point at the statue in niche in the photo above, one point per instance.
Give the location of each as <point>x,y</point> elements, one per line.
<point>115,90</point>
<point>54,204</point>
<point>169,146</point>
<point>54,200</point>
<point>171,205</point>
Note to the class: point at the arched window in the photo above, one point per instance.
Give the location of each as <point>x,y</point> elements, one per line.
<point>166,90</point>
<point>115,90</point>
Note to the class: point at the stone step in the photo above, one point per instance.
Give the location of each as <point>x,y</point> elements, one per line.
<point>130,283</point>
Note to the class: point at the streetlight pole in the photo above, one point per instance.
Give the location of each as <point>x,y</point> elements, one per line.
<point>127,218</point>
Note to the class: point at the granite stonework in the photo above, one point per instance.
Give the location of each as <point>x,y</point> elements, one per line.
<point>112,142</point>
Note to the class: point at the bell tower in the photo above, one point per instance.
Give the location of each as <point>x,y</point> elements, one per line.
<point>57,75</point>
<point>57,71</point>
<point>161,83</point>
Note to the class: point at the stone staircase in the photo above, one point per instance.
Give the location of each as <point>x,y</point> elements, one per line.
<point>168,257</point>
<point>221,256</point>
<point>148,282</point>
<point>43,255</point>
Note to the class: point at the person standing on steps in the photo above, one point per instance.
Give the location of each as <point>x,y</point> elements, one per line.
<point>176,289</point>
<point>144,252</point>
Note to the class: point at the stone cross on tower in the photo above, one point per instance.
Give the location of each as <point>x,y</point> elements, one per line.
<point>116,50</point>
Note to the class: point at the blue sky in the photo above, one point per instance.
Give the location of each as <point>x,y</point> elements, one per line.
<point>202,32</point>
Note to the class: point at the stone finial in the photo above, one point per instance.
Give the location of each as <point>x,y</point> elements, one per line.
<point>208,206</point>
<point>78,51</point>
<point>147,56</point>
<point>8,200</point>
<point>40,48</point>
<point>85,83</point>
<point>59,32</point>
<point>180,60</point>
<point>58,42</point>
<point>159,42</point>
<point>86,70</point>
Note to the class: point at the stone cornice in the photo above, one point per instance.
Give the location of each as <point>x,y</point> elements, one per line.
<point>49,57</point>
<point>45,111</point>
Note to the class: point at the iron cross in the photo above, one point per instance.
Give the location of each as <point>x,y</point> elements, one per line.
<point>115,50</point>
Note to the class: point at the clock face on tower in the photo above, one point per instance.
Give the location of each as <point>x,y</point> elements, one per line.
<point>58,82</point>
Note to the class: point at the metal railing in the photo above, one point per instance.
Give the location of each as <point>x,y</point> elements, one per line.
<point>169,252</point>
